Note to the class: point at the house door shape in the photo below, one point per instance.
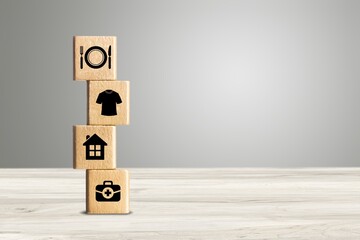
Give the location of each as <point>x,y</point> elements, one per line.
<point>94,147</point>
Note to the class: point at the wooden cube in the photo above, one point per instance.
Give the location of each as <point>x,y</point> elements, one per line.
<point>95,58</point>
<point>107,191</point>
<point>108,103</point>
<point>94,147</point>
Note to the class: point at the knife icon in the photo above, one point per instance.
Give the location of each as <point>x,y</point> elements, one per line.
<point>109,53</point>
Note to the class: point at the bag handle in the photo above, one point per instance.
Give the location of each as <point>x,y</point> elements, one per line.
<point>111,182</point>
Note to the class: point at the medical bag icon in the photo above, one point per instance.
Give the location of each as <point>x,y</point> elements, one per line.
<point>108,192</point>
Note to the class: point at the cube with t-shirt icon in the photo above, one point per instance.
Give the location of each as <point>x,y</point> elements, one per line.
<point>108,102</point>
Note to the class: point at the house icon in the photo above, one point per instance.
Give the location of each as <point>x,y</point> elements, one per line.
<point>95,147</point>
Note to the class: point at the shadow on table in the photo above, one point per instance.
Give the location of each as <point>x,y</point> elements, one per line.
<point>116,214</point>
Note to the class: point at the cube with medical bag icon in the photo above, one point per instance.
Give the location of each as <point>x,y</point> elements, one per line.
<point>108,103</point>
<point>94,58</point>
<point>107,191</point>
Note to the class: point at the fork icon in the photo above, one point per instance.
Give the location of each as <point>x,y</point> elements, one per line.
<point>81,58</point>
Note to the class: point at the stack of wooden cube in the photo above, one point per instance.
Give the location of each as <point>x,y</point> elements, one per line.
<point>107,188</point>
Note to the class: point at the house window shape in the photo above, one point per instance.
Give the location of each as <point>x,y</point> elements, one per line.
<point>94,147</point>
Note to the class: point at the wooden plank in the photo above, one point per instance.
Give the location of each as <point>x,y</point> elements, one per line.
<point>321,204</point>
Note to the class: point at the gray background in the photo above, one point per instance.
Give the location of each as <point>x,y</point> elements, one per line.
<point>213,83</point>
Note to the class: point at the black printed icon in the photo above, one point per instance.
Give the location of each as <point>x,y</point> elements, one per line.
<point>108,192</point>
<point>108,99</point>
<point>95,50</point>
<point>95,147</point>
<point>109,52</point>
<point>81,57</point>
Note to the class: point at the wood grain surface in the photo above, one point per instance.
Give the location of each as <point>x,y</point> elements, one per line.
<point>119,177</point>
<point>207,204</point>
<point>106,72</point>
<point>94,113</point>
<point>105,133</point>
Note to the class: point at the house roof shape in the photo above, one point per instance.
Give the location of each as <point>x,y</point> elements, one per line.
<point>94,140</point>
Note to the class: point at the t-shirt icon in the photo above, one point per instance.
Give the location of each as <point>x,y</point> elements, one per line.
<point>108,99</point>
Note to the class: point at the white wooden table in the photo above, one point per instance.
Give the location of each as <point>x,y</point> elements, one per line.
<point>206,204</point>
